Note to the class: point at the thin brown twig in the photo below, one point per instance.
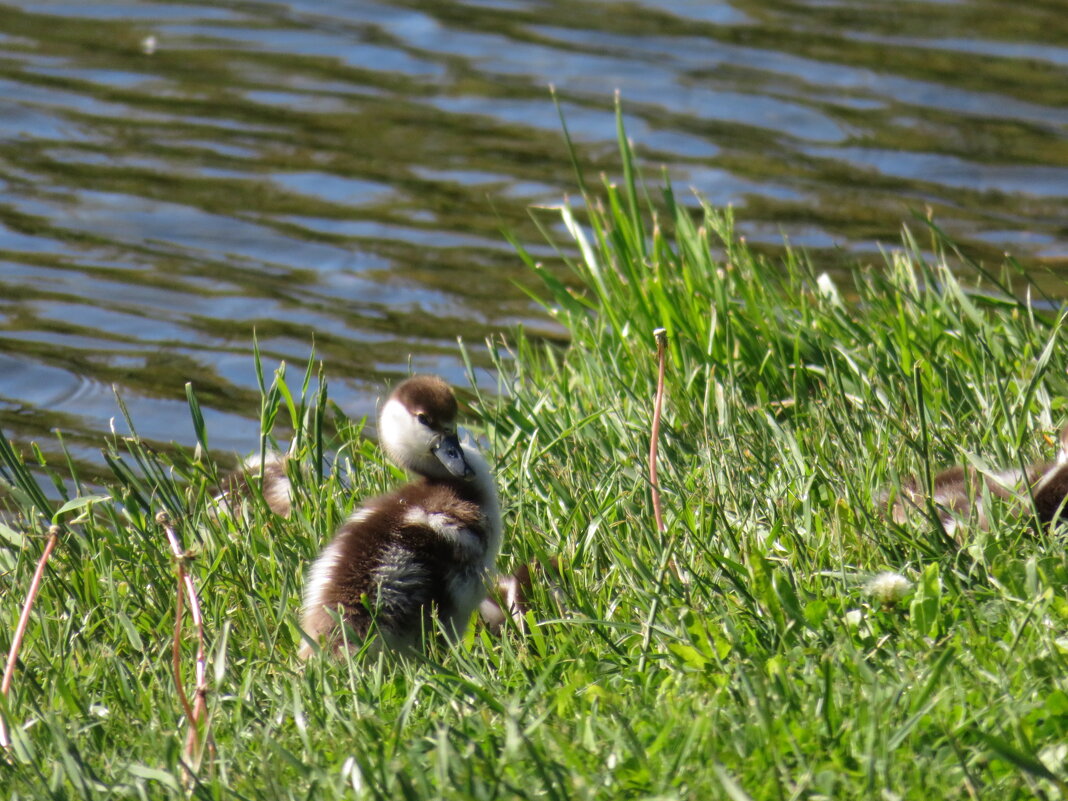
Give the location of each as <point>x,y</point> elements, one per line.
<point>197,711</point>
<point>654,441</point>
<point>24,619</point>
<point>176,646</point>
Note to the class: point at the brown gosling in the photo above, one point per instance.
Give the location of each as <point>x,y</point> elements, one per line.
<point>418,556</point>
<point>958,491</point>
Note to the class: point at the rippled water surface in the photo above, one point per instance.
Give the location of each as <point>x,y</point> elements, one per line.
<point>339,172</point>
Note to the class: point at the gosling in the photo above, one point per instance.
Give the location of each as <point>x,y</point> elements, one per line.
<point>421,555</point>
<point>957,492</point>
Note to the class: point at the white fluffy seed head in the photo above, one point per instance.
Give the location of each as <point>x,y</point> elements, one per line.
<point>889,588</point>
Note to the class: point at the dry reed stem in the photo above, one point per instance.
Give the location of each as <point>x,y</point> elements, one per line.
<point>176,646</point>
<point>654,440</point>
<point>24,619</point>
<point>196,712</point>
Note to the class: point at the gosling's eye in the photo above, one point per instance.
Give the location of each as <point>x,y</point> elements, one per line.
<point>422,418</point>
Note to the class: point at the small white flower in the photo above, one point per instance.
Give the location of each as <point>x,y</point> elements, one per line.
<point>148,45</point>
<point>889,588</point>
<point>854,617</point>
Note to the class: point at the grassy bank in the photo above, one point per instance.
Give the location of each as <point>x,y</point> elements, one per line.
<point>738,654</point>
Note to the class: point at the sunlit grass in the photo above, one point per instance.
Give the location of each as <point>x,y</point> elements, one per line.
<point>737,655</point>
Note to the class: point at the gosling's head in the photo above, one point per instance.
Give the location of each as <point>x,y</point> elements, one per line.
<point>417,429</point>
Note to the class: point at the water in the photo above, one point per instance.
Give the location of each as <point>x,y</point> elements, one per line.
<point>338,173</point>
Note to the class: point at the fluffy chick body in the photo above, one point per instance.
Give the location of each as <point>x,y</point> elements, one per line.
<point>422,554</point>
<point>958,492</point>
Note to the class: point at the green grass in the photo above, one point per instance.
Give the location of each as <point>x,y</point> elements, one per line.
<point>737,655</point>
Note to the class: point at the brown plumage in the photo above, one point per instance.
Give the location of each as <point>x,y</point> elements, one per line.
<point>958,492</point>
<point>237,487</point>
<point>421,554</point>
<point>392,566</point>
<point>511,596</point>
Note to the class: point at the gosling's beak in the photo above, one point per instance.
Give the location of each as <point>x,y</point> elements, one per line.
<point>448,451</point>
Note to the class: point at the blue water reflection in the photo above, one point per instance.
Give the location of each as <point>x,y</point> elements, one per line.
<point>177,177</point>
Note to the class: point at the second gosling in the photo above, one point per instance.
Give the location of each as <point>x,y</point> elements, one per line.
<point>958,492</point>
